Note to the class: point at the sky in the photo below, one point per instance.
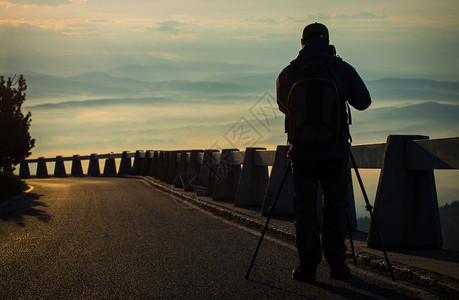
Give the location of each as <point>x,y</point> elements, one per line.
<point>407,38</point>
<point>112,75</point>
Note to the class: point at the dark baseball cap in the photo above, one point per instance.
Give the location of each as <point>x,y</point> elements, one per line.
<point>315,30</point>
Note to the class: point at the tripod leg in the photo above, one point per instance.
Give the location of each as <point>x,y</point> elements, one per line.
<point>351,240</point>
<point>370,210</point>
<point>270,214</point>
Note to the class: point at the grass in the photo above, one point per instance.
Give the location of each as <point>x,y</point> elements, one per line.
<point>11,185</point>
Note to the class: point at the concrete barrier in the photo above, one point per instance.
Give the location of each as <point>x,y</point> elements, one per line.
<point>172,167</point>
<point>154,164</point>
<point>24,171</point>
<point>228,174</point>
<point>165,166</point>
<point>59,167</point>
<point>208,171</point>
<point>42,170</point>
<point>110,166</point>
<point>285,203</point>
<point>93,168</point>
<point>125,164</point>
<point>159,171</point>
<point>136,166</point>
<point>146,163</point>
<point>192,173</point>
<point>406,207</point>
<point>253,181</point>
<point>77,169</point>
<point>179,180</point>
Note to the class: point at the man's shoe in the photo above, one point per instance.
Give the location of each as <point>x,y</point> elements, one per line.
<point>305,273</point>
<point>339,271</point>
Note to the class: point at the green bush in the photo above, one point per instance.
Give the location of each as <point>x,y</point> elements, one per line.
<point>11,185</point>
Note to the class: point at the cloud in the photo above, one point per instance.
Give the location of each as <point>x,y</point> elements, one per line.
<point>169,26</point>
<point>165,55</point>
<point>100,116</point>
<point>317,17</point>
<point>265,20</point>
<point>361,15</point>
<point>42,2</point>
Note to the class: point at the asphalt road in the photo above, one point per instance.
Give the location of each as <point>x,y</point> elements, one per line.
<point>120,238</point>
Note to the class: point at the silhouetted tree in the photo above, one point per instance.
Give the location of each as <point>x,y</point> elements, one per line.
<point>15,139</point>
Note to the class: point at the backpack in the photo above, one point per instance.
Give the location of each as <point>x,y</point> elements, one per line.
<point>318,117</point>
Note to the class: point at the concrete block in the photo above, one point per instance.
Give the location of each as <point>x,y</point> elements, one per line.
<point>24,171</point>
<point>172,167</point>
<point>406,207</point>
<point>228,175</point>
<point>208,171</point>
<point>125,164</point>
<point>253,181</point>
<point>192,180</point>
<point>285,203</point>
<point>136,167</point>
<point>110,166</point>
<point>165,166</point>
<point>93,168</point>
<point>42,170</point>
<point>179,181</point>
<point>59,167</point>
<point>154,164</point>
<point>146,163</point>
<point>77,169</point>
<point>164,161</point>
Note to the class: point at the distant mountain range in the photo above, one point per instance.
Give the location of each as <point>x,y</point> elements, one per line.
<point>420,89</point>
<point>119,83</point>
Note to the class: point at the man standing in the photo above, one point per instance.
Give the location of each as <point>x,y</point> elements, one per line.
<point>327,165</point>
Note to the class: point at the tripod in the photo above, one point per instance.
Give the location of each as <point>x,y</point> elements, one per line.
<point>270,214</point>
<point>369,208</point>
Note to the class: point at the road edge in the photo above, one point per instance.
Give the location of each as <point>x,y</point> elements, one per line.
<point>438,283</point>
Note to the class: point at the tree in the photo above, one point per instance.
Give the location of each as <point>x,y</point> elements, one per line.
<point>15,139</point>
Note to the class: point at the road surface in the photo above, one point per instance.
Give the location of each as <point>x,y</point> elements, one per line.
<point>118,238</point>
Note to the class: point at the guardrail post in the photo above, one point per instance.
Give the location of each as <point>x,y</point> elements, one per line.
<point>159,170</point>
<point>172,167</point>
<point>406,207</point>
<point>192,173</point>
<point>154,164</point>
<point>110,166</point>
<point>179,181</point>
<point>59,167</point>
<point>284,205</point>
<point>42,171</point>
<point>253,181</point>
<point>165,166</point>
<point>228,177</point>
<point>77,170</point>
<point>24,171</point>
<point>146,163</point>
<point>135,170</point>
<point>208,171</point>
<point>93,168</point>
<point>125,164</point>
